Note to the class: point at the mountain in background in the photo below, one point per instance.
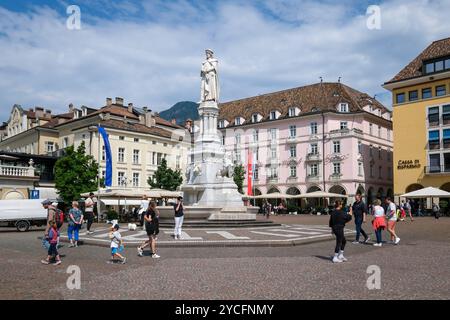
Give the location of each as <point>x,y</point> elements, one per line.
<point>181,111</point>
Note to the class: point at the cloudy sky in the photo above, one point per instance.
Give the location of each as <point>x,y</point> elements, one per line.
<point>149,51</point>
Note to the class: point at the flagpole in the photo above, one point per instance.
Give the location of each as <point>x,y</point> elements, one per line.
<point>99,206</point>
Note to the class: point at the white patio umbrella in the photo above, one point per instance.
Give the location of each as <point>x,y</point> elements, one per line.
<point>319,194</point>
<point>428,192</point>
<point>275,195</point>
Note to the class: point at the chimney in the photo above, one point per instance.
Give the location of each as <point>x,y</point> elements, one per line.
<point>119,101</point>
<point>173,121</point>
<point>71,108</point>
<point>130,108</point>
<point>39,112</point>
<point>48,113</point>
<point>149,118</point>
<point>108,102</point>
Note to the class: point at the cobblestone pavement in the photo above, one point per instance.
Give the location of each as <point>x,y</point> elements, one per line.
<point>416,268</point>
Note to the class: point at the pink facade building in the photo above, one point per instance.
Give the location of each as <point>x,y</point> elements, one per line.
<point>325,136</point>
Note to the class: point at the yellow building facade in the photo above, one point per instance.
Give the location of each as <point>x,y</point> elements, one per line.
<point>421,121</point>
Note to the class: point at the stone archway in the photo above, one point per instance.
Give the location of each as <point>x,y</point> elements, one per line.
<point>273,190</point>
<point>13,195</point>
<point>314,202</point>
<point>257,202</point>
<point>380,194</point>
<point>361,191</point>
<point>294,202</point>
<point>370,195</point>
<point>338,190</point>
<point>413,187</point>
<point>390,194</point>
<point>445,187</point>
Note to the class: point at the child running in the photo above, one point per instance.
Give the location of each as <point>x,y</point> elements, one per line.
<point>116,244</point>
<point>53,240</point>
<point>338,219</point>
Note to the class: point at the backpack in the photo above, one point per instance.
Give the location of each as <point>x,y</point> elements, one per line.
<point>59,218</point>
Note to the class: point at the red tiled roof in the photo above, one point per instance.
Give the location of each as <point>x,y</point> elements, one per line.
<point>135,127</point>
<point>437,49</point>
<point>320,96</point>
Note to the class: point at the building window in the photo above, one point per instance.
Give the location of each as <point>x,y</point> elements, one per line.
<point>446,114</point>
<point>435,163</point>
<point>344,125</point>
<point>400,98</point>
<point>293,151</point>
<point>433,139</point>
<point>441,91</point>
<point>237,139</point>
<point>380,150</point>
<point>273,152</point>
<point>314,170</point>
<point>433,116</point>
<point>343,107</point>
<point>293,171</point>
<point>273,134</point>
<point>223,140</point>
<point>237,121</point>
<point>136,179</point>
<point>426,93</point>
<point>257,154</point>
<point>121,138</point>
<point>389,155</point>
<point>429,67</point>
<point>336,146</point>
<point>103,153</point>
<point>389,173</point>
<point>255,118</point>
<point>360,169</point>
<point>447,162</point>
<point>371,150</point>
<point>273,173</point>
<point>388,134</point>
<point>413,95</point>
<point>65,142</point>
<point>121,155</point>
<point>50,146</point>
<point>159,157</point>
<point>447,64</point>
<point>136,139</point>
<point>221,124</point>
<point>379,172</point>
<point>337,168</point>
<point>446,138</point>
<point>273,115</point>
<point>291,112</point>
<point>371,170</point>
<point>370,129</point>
<point>314,149</point>
<point>154,142</point>
<point>313,127</point>
<point>135,156</point>
<point>256,173</point>
<point>121,181</point>
<point>255,135</point>
<point>292,131</point>
<point>359,147</point>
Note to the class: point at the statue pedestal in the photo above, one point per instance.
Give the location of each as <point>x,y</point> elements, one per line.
<point>206,187</point>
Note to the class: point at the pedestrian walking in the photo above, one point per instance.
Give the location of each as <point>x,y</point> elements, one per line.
<point>379,221</point>
<point>408,209</point>
<point>116,244</point>
<point>179,218</point>
<point>359,212</point>
<point>76,219</point>
<point>53,235</point>
<point>436,210</point>
<point>151,221</point>
<point>51,215</point>
<point>338,219</point>
<point>391,216</point>
<point>89,212</point>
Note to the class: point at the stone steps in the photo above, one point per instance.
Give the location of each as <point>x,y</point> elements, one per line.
<point>218,224</point>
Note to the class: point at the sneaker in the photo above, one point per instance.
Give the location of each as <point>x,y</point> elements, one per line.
<point>377,244</point>
<point>344,259</point>
<point>140,251</point>
<point>397,240</point>
<point>155,256</point>
<point>71,245</point>
<point>57,263</point>
<point>124,260</point>
<point>336,260</point>
<point>45,261</point>
<point>76,245</point>
<point>366,240</point>
<point>355,242</point>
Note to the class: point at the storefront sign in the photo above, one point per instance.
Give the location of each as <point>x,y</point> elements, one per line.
<point>408,164</point>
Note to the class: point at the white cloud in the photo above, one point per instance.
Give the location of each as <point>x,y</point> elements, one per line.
<point>156,62</point>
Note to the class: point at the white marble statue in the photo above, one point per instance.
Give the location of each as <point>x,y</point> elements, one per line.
<point>210,79</point>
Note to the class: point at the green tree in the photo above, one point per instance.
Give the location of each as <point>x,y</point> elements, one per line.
<point>75,173</point>
<point>165,178</point>
<point>239,177</point>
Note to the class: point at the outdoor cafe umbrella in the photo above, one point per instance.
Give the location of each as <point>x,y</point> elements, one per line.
<point>428,192</point>
<point>275,195</point>
<point>319,194</point>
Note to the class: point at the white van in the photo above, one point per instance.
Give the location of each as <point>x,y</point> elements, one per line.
<point>22,214</point>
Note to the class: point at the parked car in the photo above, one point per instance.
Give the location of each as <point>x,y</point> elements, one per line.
<point>22,214</point>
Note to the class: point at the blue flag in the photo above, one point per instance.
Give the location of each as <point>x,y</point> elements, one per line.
<point>108,154</point>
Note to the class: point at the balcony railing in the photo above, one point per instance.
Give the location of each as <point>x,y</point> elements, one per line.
<point>13,171</point>
<point>291,139</point>
<point>437,169</point>
<point>313,157</point>
<point>313,177</point>
<point>335,176</point>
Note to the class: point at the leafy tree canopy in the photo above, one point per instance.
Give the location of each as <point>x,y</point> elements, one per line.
<point>166,178</point>
<point>239,177</point>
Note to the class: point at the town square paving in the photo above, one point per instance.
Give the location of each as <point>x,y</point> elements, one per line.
<point>415,269</point>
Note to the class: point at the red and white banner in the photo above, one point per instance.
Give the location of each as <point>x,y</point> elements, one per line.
<point>250,173</point>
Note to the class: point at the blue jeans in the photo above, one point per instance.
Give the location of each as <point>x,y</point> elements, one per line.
<point>73,229</point>
<point>378,234</point>
<point>359,230</point>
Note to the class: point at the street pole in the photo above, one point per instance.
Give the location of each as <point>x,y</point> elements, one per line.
<point>99,206</point>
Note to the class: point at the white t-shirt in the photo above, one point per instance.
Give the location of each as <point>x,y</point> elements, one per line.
<point>392,209</point>
<point>378,211</point>
<point>115,239</point>
<point>87,203</point>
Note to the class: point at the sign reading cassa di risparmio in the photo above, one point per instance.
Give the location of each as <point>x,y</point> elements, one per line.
<point>408,164</point>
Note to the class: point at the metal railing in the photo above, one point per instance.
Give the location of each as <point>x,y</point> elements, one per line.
<point>13,171</point>
<point>437,169</point>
